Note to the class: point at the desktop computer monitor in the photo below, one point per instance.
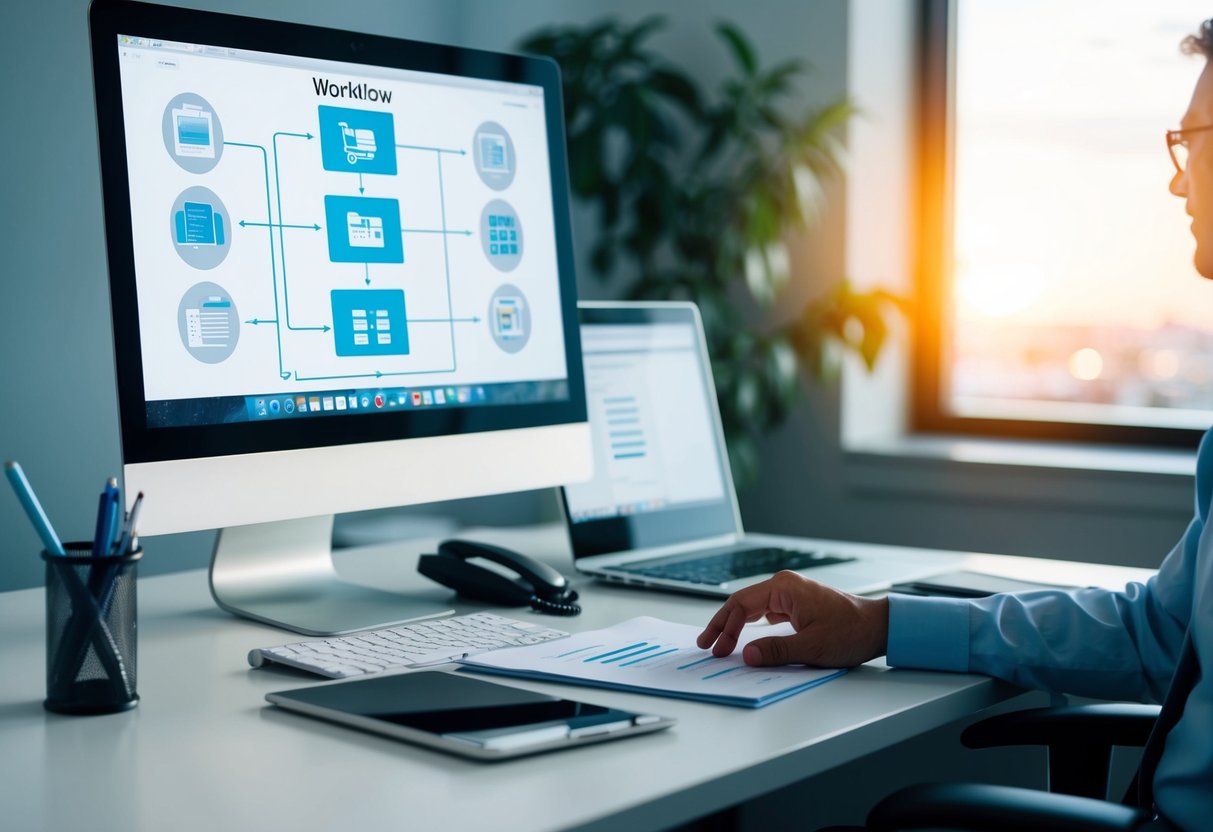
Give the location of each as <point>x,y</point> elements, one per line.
<point>341,278</point>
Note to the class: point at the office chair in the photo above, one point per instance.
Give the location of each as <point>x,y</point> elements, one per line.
<point>1079,741</point>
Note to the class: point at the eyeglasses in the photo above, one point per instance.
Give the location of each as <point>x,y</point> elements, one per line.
<point>1177,145</point>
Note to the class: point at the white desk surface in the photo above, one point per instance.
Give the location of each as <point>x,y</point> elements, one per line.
<point>203,750</point>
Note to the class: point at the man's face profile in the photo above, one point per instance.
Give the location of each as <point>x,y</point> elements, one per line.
<point>1195,184</point>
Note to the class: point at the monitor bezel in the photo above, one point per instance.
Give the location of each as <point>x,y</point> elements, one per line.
<point>674,525</point>
<point>141,443</point>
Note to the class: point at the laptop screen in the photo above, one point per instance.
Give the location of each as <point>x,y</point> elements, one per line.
<point>659,473</point>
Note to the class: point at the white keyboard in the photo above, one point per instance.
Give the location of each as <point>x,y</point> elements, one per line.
<point>408,645</point>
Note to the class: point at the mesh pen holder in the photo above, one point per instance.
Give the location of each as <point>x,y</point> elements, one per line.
<point>90,631</point>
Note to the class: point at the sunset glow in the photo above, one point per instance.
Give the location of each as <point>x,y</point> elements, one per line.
<point>1086,364</point>
<point>1072,275</point>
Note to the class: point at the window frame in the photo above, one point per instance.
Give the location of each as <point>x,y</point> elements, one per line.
<point>933,266</point>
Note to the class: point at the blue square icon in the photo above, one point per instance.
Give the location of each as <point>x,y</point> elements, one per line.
<point>357,141</point>
<point>363,230</point>
<point>369,322</point>
<point>492,248</point>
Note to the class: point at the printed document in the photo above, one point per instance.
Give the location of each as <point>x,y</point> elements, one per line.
<point>648,655</point>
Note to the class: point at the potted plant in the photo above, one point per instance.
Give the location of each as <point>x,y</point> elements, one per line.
<point>697,196</point>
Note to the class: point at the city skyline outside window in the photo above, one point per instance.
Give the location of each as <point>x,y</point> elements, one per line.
<point>1073,294</point>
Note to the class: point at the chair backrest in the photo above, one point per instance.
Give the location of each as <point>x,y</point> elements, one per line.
<point>1079,739</point>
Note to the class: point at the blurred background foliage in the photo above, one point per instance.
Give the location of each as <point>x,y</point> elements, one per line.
<point>697,196</point>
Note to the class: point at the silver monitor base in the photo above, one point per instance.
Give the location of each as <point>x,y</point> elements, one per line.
<point>282,574</point>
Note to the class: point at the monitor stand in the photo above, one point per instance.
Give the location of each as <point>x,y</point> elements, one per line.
<point>282,574</point>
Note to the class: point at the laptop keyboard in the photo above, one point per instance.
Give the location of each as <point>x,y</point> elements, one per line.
<point>720,568</point>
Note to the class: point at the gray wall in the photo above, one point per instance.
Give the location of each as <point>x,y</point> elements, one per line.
<point>56,369</point>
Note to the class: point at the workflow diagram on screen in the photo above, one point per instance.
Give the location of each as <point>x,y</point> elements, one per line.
<point>370,271</point>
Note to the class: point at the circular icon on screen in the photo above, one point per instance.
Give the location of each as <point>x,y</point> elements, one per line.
<point>501,235</point>
<point>193,135</point>
<point>493,155</point>
<point>509,318</point>
<point>200,228</point>
<point>208,323</point>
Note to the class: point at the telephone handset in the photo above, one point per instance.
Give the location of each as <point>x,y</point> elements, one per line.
<point>537,584</point>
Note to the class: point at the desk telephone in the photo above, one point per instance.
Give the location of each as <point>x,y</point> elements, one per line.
<point>533,583</point>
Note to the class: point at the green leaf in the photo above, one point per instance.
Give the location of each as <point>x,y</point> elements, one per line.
<point>739,46</point>
<point>678,88</point>
<point>743,460</point>
<point>611,205</point>
<point>640,32</point>
<point>779,79</point>
<point>585,173</point>
<point>603,258</point>
<point>815,133</point>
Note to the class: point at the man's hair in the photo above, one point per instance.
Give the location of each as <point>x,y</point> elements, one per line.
<point>1200,43</point>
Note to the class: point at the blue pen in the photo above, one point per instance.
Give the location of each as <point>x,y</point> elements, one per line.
<point>106,509</point>
<point>116,515</point>
<point>29,501</point>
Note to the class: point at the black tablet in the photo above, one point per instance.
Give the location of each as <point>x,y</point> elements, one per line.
<point>465,716</point>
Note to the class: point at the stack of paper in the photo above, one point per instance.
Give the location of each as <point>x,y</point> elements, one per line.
<point>648,655</point>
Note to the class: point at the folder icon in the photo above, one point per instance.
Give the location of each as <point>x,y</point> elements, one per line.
<point>364,231</point>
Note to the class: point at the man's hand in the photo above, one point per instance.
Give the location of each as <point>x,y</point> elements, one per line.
<point>833,628</point>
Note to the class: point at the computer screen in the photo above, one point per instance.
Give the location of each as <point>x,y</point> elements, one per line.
<point>313,237</point>
<point>651,418</point>
<point>341,272</point>
<point>661,470</point>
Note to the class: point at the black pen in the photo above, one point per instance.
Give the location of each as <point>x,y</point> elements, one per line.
<point>122,545</point>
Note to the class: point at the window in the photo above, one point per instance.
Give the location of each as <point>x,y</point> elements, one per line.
<point>1056,266</point>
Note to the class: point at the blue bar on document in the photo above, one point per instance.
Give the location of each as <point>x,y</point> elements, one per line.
<point>635,455</point>
<point>649,649</point>
<point>629,421</point>
<point>646,658</point>
<point>620,650</point>
<point>722,672</point>
<point>618,399</point>
<point>578,650</point>
<point>699,661</point>
<point>637,443</point>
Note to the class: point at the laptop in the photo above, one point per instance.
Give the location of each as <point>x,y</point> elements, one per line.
<point>660,510</point>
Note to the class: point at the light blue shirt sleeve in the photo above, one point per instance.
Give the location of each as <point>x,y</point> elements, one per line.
<point>929,633</point>
<point>1090,642</point>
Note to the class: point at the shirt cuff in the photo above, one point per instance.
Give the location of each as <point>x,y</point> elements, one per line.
<point>928,633</point>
